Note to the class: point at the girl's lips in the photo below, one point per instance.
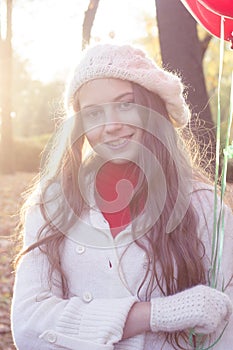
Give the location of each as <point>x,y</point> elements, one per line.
<point>119,143</point>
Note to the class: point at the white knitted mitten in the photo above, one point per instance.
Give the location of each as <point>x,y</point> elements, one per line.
<point>199,307</point>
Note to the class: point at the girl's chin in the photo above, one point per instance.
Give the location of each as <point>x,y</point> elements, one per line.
<point>118,157</point>
<point>115,160</point>
<point>119,161</point>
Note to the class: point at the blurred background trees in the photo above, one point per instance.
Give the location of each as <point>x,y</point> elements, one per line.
<point>183,51</point>
<point>35,105</point>
<point>6,141</point>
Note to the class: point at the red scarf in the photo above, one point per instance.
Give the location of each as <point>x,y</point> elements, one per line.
<point>116,213</point>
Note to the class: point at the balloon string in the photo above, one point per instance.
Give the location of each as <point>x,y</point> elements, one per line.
<point>216,241</point>
<point>218,227</point>
<point>195,339</point>
<point>227,155</point>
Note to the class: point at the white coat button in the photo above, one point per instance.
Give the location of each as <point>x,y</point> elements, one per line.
<point>80,249</point>
<point>51,337</point>
<point>87,297</point>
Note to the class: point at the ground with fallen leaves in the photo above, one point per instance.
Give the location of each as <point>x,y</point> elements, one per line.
<point>11,187</point>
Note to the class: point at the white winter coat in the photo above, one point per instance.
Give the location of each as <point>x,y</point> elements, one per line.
<point>102,289</point>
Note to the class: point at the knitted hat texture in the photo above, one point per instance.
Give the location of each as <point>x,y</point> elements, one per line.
<point>130,63</point>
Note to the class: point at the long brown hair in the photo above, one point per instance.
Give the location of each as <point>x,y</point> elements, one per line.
<point>178,254</point>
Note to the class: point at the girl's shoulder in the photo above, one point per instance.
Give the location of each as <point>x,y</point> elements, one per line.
<point>204,194</point>
<point>208,207</point>
<point>33,215</point>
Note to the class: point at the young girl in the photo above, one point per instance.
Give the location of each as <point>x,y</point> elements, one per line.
<point>118,231</point>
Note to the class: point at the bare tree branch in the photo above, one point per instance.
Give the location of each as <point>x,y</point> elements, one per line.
<point>88,22</point>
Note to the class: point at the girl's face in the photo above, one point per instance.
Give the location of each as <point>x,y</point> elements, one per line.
<point>110,120</point>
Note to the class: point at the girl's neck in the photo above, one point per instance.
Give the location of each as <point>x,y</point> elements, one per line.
<point>107,186</point>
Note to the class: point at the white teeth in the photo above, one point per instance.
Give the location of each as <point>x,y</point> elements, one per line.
<point>117,142</point>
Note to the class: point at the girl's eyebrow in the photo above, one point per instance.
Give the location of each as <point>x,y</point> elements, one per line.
<point>116,99</point>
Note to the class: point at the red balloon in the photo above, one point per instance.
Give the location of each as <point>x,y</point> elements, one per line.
<point>222,7</point>
<point>209,14</point>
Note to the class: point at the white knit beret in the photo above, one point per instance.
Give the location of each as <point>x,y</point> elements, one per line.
<point>130,63</point>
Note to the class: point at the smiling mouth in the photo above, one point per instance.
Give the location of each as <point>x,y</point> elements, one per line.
<point>119,143</point>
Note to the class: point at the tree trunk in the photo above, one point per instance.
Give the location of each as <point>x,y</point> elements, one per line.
<point>6,150</point>
<point>88,22</point>
<point>182,51</point>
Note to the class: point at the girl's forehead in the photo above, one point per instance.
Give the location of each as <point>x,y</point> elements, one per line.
<point>103,90</point>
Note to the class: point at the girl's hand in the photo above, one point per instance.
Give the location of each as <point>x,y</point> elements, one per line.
<point>201,307</point>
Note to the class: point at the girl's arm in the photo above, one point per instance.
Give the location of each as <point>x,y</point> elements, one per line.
<point>42,319</point>
<point>138,320</point>
<point>201,308</point>
<point>140,317</point>
<point>203,200</point>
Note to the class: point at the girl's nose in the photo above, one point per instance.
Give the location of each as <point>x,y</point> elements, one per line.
<point>113,120</point>
<point>111,127</point>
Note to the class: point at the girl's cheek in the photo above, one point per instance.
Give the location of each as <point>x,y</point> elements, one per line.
<point>93,137</point>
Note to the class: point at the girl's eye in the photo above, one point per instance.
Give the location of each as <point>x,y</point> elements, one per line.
<point>125,106</point>
<point>91,113</point>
